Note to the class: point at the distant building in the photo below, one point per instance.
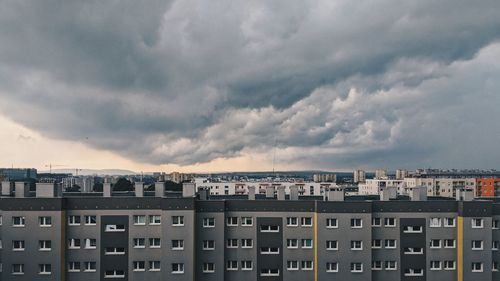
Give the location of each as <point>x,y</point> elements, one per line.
<point>180,177</point>
<point>401,174</point>
<point>324,178</point>
<point>359,176</point>
<point>488,187</point>
<point>18,174</point>
<point>380,174</point>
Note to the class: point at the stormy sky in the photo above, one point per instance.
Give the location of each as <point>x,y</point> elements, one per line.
<point>314,84</point>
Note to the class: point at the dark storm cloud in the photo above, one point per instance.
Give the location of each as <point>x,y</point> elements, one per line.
<point>332,83</point>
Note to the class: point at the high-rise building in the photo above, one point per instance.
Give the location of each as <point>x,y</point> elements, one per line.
<point>359,176</point>
<point>488,187</point>
<point>324,178</point>
<point>205,238</point>
<point>401,174</point>
<point>14,174</point>
<point>380,174</point>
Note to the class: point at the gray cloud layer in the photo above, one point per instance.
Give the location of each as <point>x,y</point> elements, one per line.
<point>333,83</point>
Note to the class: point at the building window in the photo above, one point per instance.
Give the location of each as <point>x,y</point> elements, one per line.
<point>45,221</point>
<point>269,250</point>
<point>74,243</point>
<point>495,224</point>
<point>114,274</point>
<point>435,222</point>
<point>332,245</point>
<point>154,220</point>
<point>246,221</point>
<point>390,243</point>
<point>208,222</point>
<point>292,265</point>
<point>18,245</point>
<point>89,266</point>
<point>139,266</point>
<point>232,265</point>
<point>73,266</point>
<point>90,220</point>
<point>413,251</point>
<point>114,251</point>
<point>177,268</point>
<point>44,245</point>
<point>332,267</point>
<point>292,221</point>
<point>414,272</point>
<point>292,243</point>
<point>154,243</point>
<point>269,228</point>
<point>477,267</point>
<point>139,243</point>
<point>477,223</point>
<point>435,244</point>
<point>477,244</point>
<point>209,245</point>
<point>376,243</point>
<point>356,245</point>
<point>246,265</point>
<point>449,243</point>
<point>18,269</point>
<point>494,266</point>
<point>90,243</point>
<point>232,221</point>
<point>178,221</point>
<point>331,223</point>
<point>208,267</point>
<point>376,265</point>
<point>412,229</point>
<point>356,267</point>
<point>139,220</point>
<point>306,221</point>
<point>114,228</point>
<point>389,222</point>
<point>177,245</point>
<point>246,243</point>
<point>494,245</point>
<point>74,220</point>
<point>449,265</point>
<point>376,222</point>
<point>232,243</point>
<point>449,222</point>
<point>156,266</point>
<point>435,265</point>
<point>391,265</point>
<point>356,223</point>
<point>307,243</point>
<point>18,221</point>
<point>269,272</point>
<point>306,265</point>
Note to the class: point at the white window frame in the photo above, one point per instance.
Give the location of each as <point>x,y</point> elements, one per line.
<point>74,220</point>
<point>269,228</point>
<point>138,266</point>
<point>306,221</point>
<point>245,263</point>
<point>18,245</point>
<point>446,267</point>
<point>246,221</point>
<point>332,223</point>
<point>354,223</point>
<point>473,242</point>
<point>292,265</point>
<point>332,267</point>
<point>154,220</point>
<point>447,224</point>
<point>433,246</point>
<point>232,265</point>
<point>474,225</point>
<point>354,245</point>
<point>74,266</point>
<point>307,265</point>
<point>179,246</point>
<point>245,244</point>
<point>304,242</point>
<point>391,265</point>
<point>74,243</point>
<point>139,219</point>
<point>156,266</point>
<point>329,243</point>
<point>435,265</point>
<point>230,243</point>
<point>208,245</point>
<point>387,222</point>
<point>208,267</point>
<point>42,221</point>
<point>292,221</point>
<point>355,269</point>
<point>178,221</point>
<point>481,269</point>
<point>292,243</point>
<point>114,228</point>
<point>44,244</point>
<point>20,270</point>
<point>154,243</point>
<point>21,223</point>
<point>387,243</point>
<point>450,247</point>
<point>87,243</point>
<point>435,222</point>
<point>88,220</point>
<point>89,266</point>
<point>231,221</point>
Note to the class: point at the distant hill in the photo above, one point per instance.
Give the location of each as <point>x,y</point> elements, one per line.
<point>89,172</point>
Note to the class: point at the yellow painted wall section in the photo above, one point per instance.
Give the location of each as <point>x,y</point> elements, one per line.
<point>460,249</point>
<point>315,246</point>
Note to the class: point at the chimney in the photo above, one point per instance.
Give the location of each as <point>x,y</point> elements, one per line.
<point>251,192</point>
<point>269,191</point>
<point>159,189</point>
<point>281,193</point>
<point>418,193</point>
<point>388,193</point>
<point>203,193</point>
<point>294,192</point>
<point>22,189</point>
<point>7,188</point>
<point>335,194</point>
<point>106,189</point>
<point>47,190</point>
<point>139,189</point>
<point>188,189</point>
<point>464,194</point>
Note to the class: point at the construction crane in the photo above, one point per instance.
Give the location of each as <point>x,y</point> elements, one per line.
<point>50,167</point>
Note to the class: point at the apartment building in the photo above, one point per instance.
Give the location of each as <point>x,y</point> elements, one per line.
<point>244,238</point>
<point>242,187</point>
<point>488,187</point>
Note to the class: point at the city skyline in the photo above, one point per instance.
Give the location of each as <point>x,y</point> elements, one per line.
<point>196,87</point>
